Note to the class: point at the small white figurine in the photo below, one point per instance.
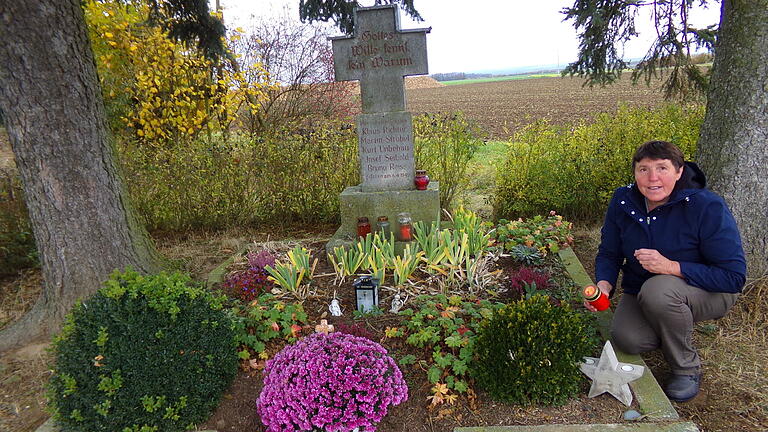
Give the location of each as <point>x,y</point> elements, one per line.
<point>335,308</point>
<point>397,304</point>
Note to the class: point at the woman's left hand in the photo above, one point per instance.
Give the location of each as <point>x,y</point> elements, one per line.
<point>655,262</point>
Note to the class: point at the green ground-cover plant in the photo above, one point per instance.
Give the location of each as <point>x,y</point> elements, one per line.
<point>575,169</point>
<point>444,145</point>
<point>528,352</point>
<point>544,234</point>
<point>445,327</point>
<point>146,353</point>
<point>263,320</point>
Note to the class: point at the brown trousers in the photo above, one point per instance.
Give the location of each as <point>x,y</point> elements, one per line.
<point>662,315</point>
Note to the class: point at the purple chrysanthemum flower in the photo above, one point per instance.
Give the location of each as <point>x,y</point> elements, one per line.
<point>334,383</point>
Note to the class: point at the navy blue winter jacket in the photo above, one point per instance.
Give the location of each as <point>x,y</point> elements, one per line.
<point>695,228</point>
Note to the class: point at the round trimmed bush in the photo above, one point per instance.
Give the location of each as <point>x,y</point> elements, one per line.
<point>528,352</point>
<point>145,353</point>
<point>334,382</point>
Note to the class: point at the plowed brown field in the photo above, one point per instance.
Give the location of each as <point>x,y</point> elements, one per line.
<point>503,107</point>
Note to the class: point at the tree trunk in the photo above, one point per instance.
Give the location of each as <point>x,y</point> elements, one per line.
<point>732,145</point>
<point>78,207</point>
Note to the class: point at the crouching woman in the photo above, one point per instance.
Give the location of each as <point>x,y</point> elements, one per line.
<point>680,254</point>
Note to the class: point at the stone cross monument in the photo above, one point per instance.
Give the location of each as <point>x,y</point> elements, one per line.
<point>380,55</point>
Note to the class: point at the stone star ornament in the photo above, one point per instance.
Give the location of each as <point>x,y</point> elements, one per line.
<point>611,376</point>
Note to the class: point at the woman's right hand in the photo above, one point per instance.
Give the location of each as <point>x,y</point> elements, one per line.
<point>603,286</point>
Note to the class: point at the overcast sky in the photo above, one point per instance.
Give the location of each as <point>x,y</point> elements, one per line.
<point>495,34</point>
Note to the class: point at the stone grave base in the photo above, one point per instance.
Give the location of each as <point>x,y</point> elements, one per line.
<point>354,203</point>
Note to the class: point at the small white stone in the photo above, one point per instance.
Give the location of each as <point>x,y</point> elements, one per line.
<point>632,212</point>
<point>623,202</point>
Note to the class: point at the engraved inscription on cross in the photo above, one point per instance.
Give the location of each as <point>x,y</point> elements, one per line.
<point>380,55</point>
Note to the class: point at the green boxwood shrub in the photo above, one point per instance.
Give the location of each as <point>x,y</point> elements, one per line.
<point>575,170</point>
<point>528,352</point>
<point>145,353</point>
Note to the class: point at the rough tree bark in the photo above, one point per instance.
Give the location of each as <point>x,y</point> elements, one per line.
<point>732,145</point>
<point>83,224</point>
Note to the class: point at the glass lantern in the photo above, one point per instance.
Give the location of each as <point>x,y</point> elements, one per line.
<point>366,293</point>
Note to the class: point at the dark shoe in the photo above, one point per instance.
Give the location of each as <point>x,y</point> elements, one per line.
<point>682,388</point>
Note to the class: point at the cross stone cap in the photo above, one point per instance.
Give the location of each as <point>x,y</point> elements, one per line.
<point>380,55</point>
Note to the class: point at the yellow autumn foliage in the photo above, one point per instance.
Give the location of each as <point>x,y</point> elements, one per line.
<point>158,90</point>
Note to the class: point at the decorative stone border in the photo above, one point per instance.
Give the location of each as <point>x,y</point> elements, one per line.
<point>632,427</point>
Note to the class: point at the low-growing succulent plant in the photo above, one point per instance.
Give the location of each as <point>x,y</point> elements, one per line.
<point>526,255</point>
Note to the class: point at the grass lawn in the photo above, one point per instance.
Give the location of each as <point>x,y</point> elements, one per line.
<point>482,178</point>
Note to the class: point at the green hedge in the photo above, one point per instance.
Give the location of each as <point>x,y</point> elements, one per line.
<point>575,170</point>
<point>284,176</point>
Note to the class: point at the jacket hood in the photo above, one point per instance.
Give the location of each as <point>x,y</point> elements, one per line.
<point>693,178</point>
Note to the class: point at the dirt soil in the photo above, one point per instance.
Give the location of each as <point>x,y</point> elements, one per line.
<point>502,107</point>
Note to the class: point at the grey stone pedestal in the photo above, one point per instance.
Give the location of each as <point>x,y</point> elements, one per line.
<point>354,203</point>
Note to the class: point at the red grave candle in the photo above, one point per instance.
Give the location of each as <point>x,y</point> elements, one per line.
<point>595,297</point>
<point>421,180</point>
<point>363,226</point>
<point>406,229</point>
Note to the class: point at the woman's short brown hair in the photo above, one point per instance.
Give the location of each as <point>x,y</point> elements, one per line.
<point>656,150</point>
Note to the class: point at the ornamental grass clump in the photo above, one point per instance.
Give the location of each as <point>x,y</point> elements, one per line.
<point>334,382</point>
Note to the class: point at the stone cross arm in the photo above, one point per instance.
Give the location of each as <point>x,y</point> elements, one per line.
<point>380,55</point>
